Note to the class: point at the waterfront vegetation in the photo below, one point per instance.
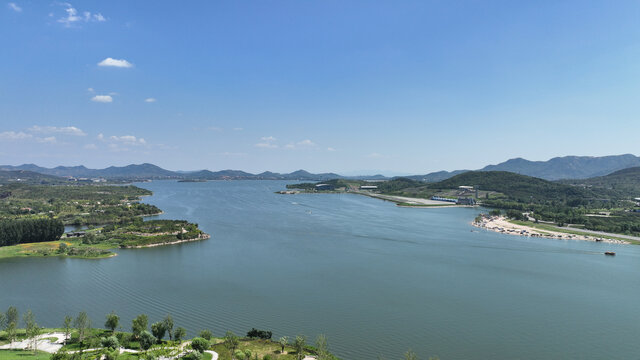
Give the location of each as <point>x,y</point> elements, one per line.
<point>74,204</point>
<point>32,219</point>
<point>77,339</point>
<point>98,242</point>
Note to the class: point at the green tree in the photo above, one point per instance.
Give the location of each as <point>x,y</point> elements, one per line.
<point>206,334</point>
<point>32,329</point>
<point>111,342</point>
<point>231,341</point>
<point>298,344</point>
<point>168,325</point>
<point>112,321</point>
<point>12,315</point>
<point>200,344</point>
<point>410,355</point>
<point>3,320</point>
<point>179,334</point>
<point>82,324</point>
<point>12,332</point>
<point>322,346</point>
<point>139,324</point>
<point>158,330</point>
<point>66,325</point>
<point>146,339</point>
<point>283,341</point>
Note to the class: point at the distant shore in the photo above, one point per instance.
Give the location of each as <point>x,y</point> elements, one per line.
<point>203,236</point>
<point>502,225</point>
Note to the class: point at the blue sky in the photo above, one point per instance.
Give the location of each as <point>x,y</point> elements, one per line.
<point>344,86</point>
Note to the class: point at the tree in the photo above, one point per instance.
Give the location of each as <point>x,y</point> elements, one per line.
<point>146,339</point>
<point>410,355</point>
<point>111,342</point>
<point>179,334</point>
<point>12,315</point>
<point>3,320</point>
<point>82,324</point>
<point>299,344</point>
<point>139,324</point>
<point>231,341</point>
<point>206,334</point>
<point>67,327</point>
<point>32,329</point>
<point>168,325</point>
<point>158,330</point>
<point>322,346</point>
<point>112,321</point>
<point>283,341</point>
<point>200,344</point>
<point>12,332</point>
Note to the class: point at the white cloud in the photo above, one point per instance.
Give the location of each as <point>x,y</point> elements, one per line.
<point>102,98</point>
<point>90,90</point>
<point>128,140</point>
<point>214,128</point>
<point>100,137</point>
<point>72,17</point>
<point>268,138</point>
<point>67,130</point>
<point>49,140</point>
<point>119,63</point>
<point>290,146</point>
<point>12,135</point>
<point>306,142</point>
<point>90,146</point>
<point>14,7</point>
<point>238,129</point>
<point>150,100</point>
<point>266,145</point>
<point>331,149</point>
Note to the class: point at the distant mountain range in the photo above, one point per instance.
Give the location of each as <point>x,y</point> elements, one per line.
<point>567,167</point>
<point>150,171</point>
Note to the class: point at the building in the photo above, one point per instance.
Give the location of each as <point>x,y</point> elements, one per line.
<point>439,198</point>
<point>466,201</point>
<point>368,187</point>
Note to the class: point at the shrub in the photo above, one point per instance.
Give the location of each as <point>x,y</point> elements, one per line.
<point>111,342</point>
<point>206,334</point>
<point>262,334</point>
<point>200,345</point>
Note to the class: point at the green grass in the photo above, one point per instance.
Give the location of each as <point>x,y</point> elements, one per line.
<point>23,355</point>
<point>260,347</point>
<point>548,227</point>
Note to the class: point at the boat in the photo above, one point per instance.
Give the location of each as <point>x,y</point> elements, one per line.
<point>610,253</point>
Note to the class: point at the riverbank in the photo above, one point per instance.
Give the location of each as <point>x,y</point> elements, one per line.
<point>502,225</point>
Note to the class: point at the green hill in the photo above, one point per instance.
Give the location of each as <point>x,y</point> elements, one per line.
<point>623,183</point>
<point>521,188</point>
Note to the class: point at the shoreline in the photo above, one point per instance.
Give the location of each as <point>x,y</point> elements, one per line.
<point>201,237</point>
<point>501,225</point>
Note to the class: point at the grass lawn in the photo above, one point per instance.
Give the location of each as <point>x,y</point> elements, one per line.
<point>23,355</point>
<point>260,347</point>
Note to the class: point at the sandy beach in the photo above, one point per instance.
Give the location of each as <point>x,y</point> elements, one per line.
<point>501,225</point>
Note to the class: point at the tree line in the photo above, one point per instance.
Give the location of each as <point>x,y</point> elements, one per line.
<point>17,231</point>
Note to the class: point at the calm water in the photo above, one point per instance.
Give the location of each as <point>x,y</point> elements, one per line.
<point>373,277</point>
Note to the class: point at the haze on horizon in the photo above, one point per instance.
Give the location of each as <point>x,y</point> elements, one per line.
<point>347,87</point>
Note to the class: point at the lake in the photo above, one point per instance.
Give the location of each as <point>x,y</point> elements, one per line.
<point>374,277</point>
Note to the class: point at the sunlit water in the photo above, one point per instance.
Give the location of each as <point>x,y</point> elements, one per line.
<point>375,278</point>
